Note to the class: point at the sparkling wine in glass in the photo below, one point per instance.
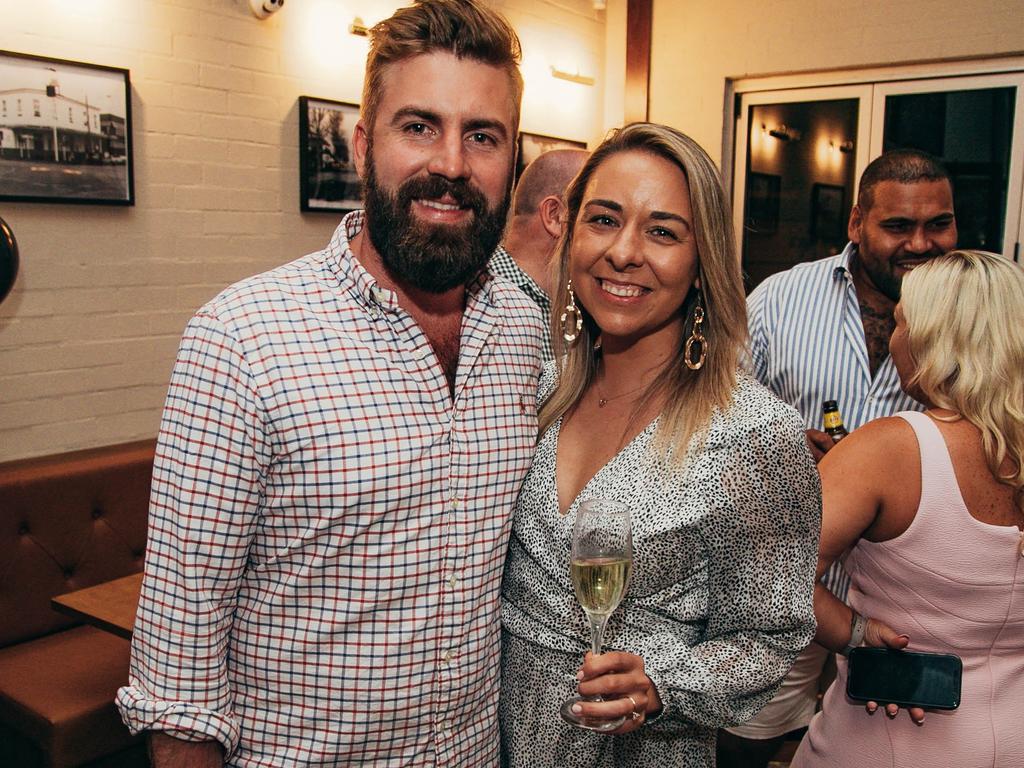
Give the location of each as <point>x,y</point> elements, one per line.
<point>602,559</point>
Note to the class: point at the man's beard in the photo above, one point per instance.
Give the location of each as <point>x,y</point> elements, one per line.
<point>431,257</point>
<point>883,278</point>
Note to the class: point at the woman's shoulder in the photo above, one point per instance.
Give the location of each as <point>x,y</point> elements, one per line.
<point>881,441</point>
<point>753,406</point>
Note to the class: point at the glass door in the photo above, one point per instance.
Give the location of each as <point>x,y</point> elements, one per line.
<point>975,125</point>
<point>801,154</point>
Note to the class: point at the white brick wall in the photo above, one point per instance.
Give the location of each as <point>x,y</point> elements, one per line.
<point>88,336</point>
<point>697,44</point>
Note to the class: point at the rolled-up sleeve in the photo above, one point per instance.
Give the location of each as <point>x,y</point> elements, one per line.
<point>761,540</point>
<point>207,483</point>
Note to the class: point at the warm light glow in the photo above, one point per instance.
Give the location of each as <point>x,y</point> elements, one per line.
<point>554,106</point>
<point>825,158</point>
<point>762,146</point>
<point>109,20</point>
<point>830,154</point>
<point>323,48</point>
<point>572,77</point>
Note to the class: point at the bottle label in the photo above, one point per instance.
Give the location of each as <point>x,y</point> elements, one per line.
<point>833,420</point>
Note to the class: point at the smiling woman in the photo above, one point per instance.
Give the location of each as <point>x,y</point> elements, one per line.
<point>634,256</point>
<point>647,407</point>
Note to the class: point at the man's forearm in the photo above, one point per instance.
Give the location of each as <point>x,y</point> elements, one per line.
<point>168,752</point>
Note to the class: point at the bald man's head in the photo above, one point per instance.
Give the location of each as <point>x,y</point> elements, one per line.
<point>548,175</point>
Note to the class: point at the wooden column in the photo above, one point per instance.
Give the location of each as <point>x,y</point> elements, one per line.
<point>638,59</point>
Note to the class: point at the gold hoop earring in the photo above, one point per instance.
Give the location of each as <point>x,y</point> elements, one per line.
<point>696,337</point>
<point>571,319</point>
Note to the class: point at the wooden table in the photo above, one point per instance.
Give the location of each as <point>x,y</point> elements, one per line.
<point>110,606</point>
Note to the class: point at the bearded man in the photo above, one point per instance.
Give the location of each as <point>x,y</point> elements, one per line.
<point>341,449</point>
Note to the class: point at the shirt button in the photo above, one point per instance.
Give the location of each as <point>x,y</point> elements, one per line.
<point>447,657</point>
<point>452,581</point>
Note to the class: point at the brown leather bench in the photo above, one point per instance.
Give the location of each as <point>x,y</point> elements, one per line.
<point>66,522</point>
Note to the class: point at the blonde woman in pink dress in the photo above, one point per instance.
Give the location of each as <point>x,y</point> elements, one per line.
<point>932,505</point>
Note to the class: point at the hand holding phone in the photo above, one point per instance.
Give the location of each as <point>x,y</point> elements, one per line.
<point>905,678</point>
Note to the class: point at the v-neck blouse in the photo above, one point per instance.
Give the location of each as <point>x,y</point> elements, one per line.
<point>725,548</point>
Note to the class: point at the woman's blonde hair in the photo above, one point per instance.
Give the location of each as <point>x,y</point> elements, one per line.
<point>963,313</point>
<point>690,396</point>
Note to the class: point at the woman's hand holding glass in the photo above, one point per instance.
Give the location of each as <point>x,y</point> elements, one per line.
<point>614,685</point>
<point>601,563</point>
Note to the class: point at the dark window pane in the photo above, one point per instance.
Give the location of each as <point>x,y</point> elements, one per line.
<point>799,186</point>
<point>970,131</point>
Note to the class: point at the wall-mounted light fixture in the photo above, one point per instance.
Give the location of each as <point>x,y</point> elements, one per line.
<point>572,78</point>
<point>261,9</point>
<point>358,28</point>
<point>784,133</point>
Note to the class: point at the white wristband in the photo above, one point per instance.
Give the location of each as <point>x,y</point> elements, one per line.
<point>858,625</point>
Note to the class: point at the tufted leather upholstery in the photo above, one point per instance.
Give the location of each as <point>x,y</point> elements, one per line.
<point>66,522</point>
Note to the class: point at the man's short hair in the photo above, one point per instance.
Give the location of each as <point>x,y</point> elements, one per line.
<point>464,28</point>
<point>548,175</point>
<point>904,166</point>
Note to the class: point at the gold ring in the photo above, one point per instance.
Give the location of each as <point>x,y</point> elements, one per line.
<point>635,713</point>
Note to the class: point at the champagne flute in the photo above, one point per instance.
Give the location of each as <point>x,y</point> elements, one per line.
<point>602,559</point>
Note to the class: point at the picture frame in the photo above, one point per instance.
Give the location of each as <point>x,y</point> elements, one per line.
<point>328,180</point>
<point>65,132</point>
<point>532,145</point>
<point>828,214</point>
<point>763,196</point>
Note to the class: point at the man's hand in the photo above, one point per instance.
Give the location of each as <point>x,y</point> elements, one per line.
<point>819,442</point>
<point>168,752</point>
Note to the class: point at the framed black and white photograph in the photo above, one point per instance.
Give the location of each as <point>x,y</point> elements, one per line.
<point>328,180</point>
<point>533,145</point>
<point>763,190</point>
<point>65,132</point>
<point>828,214</point>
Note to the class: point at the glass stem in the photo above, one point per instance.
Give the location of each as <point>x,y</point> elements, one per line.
<point>597,623</point>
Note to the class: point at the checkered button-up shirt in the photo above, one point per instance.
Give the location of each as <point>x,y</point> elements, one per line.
<point>328,524</point>
<point>503,265</point>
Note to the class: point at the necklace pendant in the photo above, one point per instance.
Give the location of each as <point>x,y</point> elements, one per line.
<point>601,403</point>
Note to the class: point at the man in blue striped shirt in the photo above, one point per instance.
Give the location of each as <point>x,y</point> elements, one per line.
<point>820,331</point>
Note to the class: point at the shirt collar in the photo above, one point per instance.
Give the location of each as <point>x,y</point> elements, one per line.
<point>844,262</point>
<point>502,264</point>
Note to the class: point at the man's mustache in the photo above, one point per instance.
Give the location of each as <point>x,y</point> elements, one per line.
<point>436,187</point>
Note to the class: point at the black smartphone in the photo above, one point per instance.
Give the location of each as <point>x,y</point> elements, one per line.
<point>906,678</point>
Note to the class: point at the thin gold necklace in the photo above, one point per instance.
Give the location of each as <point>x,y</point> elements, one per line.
<point>602,401</point>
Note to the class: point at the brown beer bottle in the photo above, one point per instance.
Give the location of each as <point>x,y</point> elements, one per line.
<point>833,421</point>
